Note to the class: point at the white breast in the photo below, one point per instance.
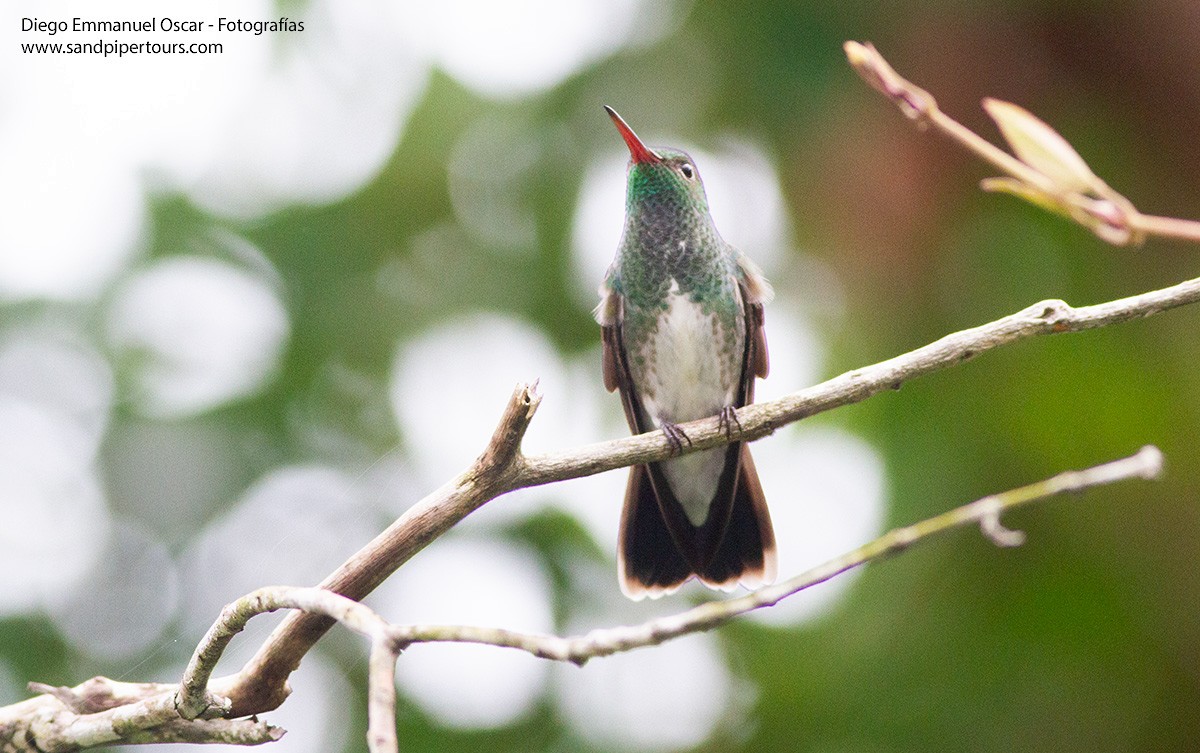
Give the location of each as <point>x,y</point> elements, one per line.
<point>692,380</point>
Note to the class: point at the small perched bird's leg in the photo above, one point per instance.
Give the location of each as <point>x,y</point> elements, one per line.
<point>675,436</point>
<point>726,419</point>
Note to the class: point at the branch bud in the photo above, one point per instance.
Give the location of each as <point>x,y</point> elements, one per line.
<point>1042,148</point>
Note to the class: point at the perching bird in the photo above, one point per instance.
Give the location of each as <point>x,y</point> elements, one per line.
<point>682,317</point>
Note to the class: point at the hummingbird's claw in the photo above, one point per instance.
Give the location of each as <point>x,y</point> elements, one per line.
<point>726,419</point>
<point>675,436</point>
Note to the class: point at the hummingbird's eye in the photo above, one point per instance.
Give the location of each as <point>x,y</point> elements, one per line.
<point>687,171</point>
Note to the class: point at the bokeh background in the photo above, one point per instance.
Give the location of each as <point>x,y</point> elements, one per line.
<point>255,304</point>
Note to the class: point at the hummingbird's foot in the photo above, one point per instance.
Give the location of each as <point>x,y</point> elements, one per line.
<point>675,436</point>
<point>726,419</point>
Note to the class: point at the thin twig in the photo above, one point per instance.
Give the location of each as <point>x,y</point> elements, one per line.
<point>1147,463</point>
<point>1108,214</point>
<point>194,697</point>
<point>1169,227</point>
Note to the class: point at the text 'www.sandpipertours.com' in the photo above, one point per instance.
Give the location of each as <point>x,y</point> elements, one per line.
<point>120,49</point>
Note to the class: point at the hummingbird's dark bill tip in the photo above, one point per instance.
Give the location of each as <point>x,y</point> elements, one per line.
<point>637,150</point>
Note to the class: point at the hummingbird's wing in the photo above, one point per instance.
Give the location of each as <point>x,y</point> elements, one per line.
<point>756,293</point>
<point>616,371</point>
<point>744,549</point>
<point>649,562</point>
<point>737,542</point>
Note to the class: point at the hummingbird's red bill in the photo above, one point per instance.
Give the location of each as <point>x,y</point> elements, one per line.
<point>638,150</point>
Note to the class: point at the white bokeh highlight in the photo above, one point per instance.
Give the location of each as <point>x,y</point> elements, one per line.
<point>292,527</point>
<point>318,120</point>
<point>55,519</point>
<point>123,605</point>
<point>522,47</point>
<point>827,493</point>
<point>797,355</point>
<point>197,333</point>
<point>72,217</point>
<point>56,370</point>
<point>595,501</point>
<point>11,690</point>
<point>471,580</point>
<point>56,394</point>
<point>669,697</point>
<point>478,360</point>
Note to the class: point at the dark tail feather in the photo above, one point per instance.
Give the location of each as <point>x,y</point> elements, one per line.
<point>746,554</point>
<point>649,562</point>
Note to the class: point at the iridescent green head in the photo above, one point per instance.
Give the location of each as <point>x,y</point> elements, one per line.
<point>662,177</point>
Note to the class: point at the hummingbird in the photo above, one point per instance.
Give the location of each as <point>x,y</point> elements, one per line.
<point>681,316</point>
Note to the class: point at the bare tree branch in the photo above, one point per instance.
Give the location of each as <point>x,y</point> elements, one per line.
<point>387,640</point>
<point>1048,317</point>
<point>261,685</point>
<point>194,699</point>
<point>102,711</point>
